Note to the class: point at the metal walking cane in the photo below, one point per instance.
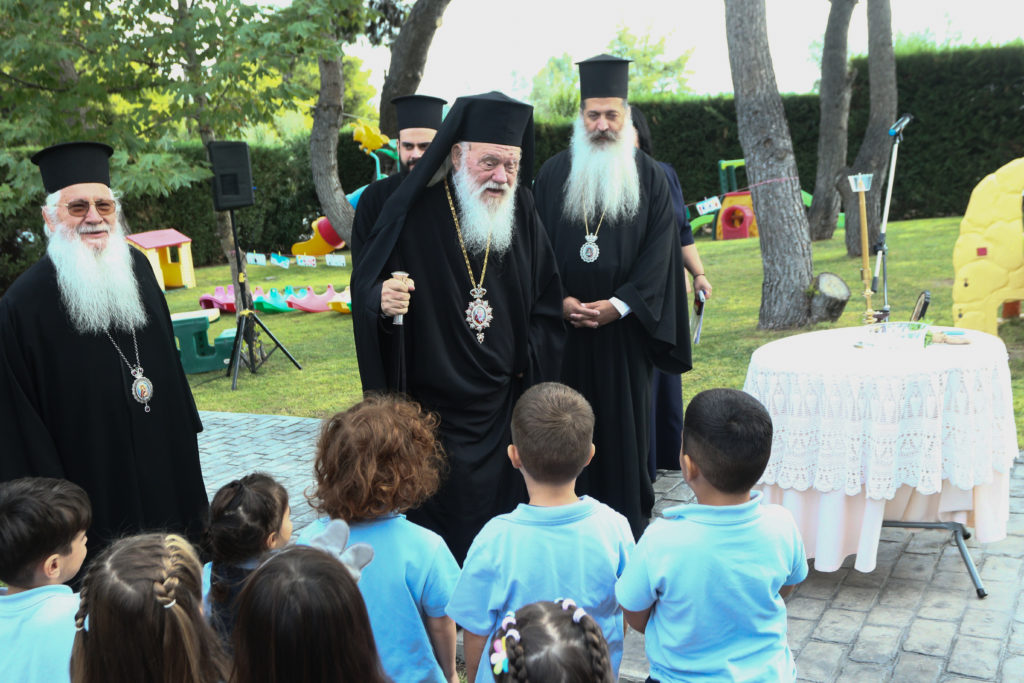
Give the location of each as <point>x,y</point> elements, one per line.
<point>896,132</point>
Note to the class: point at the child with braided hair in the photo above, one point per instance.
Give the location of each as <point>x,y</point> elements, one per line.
<point>374,461</point>
<point>550,641</point>
<point>558,544</point>
<point>141,619</point>
<point>248,518</point>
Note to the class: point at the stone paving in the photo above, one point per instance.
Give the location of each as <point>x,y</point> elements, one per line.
<point>916,618</point>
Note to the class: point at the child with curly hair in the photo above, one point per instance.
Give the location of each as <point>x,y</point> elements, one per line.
<point>374,461</point>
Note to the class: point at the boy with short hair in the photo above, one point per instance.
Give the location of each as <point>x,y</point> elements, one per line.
<point>557,546</point>
<point>42,544</point>
<point>707,582</point>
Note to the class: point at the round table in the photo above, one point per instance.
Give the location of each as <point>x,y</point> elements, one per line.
<point>864,434</point>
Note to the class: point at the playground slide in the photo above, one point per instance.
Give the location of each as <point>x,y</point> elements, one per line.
<point>324,240</point>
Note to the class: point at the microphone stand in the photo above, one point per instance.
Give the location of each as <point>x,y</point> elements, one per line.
<point>881,249</point>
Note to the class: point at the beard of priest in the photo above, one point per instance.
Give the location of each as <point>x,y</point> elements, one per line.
<point>603,179</point>
<point>486,192</point>
<point>93,264</point>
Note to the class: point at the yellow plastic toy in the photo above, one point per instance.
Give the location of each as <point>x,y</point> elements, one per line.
<point>369,137</point>
<point>988,257</point>
<point>324,240</point>
<point>736,219</point>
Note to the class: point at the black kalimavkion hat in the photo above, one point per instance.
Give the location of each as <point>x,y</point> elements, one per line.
<point>70,163</point>
<point>418,111</point>
<point>604,76</point>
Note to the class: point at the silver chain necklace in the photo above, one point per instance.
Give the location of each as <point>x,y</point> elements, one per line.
<point>142,387</point>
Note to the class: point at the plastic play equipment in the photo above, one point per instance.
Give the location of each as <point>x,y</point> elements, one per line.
<point>313,302</point>
<point>324,240</point>
<point>375,144</point>
<point>169,253</point>
<point>988,257</point>
<point>194,345</point>
<point>342,302</point>
<point>222,298</point>
<point>273,301</point>
<point>731,224</point>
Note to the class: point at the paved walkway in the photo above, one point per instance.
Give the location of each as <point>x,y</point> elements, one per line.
<point>916,618</point>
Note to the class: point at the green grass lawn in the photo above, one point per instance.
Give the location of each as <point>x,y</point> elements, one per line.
<point>920,257</point>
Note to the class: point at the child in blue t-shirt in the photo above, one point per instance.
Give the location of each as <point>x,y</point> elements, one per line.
<point>42,545</point>
<point>374,461</point>
<point>706,583</point>
<point>248,518</point>
<point>559,545</point>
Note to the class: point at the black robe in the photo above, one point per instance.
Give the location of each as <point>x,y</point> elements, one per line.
<point>640,263</point>
<point>66,410</point>
<point>368,209</point>
<point>472,386</point>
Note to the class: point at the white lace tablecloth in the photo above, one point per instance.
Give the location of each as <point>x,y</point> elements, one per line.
<point>866,421</point>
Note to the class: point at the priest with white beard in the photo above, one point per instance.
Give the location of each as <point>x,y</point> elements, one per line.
<point>91,386</point>
<point>608,211</point>
<point>478,319</point>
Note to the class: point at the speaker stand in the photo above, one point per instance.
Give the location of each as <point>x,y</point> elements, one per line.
<point>247,320</point>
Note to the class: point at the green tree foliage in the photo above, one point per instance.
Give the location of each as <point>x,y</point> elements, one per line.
<point>652,73</point>
<point>556,87</point>
<point>556,90</point>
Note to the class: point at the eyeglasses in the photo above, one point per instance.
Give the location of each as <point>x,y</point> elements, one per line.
<point>80,207</point>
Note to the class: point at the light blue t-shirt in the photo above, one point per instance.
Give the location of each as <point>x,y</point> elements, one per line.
<point>411,577</point>
<point>544,553</point>
<point>37,629</point>
<point>713,574</point>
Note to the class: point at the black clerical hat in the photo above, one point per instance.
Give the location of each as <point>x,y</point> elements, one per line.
<point>70,163</point>
<point>418,111</point>
<point>604,76</point>
<point>490,117</point>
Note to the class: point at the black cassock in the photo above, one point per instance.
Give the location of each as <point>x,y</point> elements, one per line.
<point>640,262</point>
<point>66,410</point>
<point>473,386</point>
<point>369,207</point>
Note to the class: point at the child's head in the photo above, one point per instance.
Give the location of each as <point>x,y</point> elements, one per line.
<point>248,517</point>
<point>551,641</point>
<point>379,456</point>
<point>552,430</point>
<point>301,618</point>
<point>728,436</point>
<point>140,617</point>
<point>42,531</point>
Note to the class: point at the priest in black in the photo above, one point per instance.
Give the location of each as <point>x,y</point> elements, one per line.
<point>91,386</point>
<point>478,317</point>
<point>419,117</point>
<point>608,211</point>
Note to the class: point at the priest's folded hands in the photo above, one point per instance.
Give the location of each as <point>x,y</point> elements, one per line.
<point>395,295</point>
<point>593,314</point>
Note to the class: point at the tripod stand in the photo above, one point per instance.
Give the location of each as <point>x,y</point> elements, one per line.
<point>247,318</point>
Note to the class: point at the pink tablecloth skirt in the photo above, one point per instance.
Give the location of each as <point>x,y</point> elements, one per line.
<point>835,525</point>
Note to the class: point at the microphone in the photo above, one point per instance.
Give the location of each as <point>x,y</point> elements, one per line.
<point>898,127</point>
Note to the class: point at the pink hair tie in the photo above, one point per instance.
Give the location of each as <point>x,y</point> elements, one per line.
<point>509,620</point>
<point>578,614</point>
<point>567,603</point>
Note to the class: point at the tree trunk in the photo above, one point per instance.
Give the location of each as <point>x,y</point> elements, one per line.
<point>873,155</point>
<point>836,87</point>
<point>771,169</point>
<point>408,57</point>
<point>323,148</point>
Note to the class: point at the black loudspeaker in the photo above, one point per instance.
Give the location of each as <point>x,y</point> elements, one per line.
<point>232,175</point>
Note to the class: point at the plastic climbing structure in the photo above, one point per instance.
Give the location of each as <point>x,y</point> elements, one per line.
<point>988,257</point>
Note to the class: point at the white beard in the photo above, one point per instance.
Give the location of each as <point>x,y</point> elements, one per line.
<point>480,218</point>
<point>99,289</point>
<point>603,178</point>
